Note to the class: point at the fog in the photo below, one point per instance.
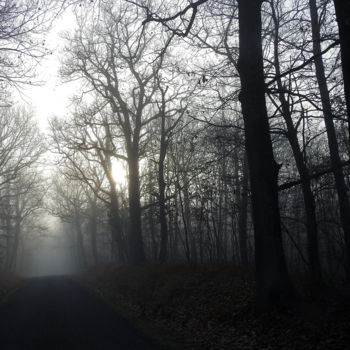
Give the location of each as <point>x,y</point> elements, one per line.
<point>50,253</point>
<point>189,160</point>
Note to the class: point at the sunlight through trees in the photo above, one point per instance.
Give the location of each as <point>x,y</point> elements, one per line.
<point>201,131</point>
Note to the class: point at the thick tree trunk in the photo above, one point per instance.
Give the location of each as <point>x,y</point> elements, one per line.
<point>342,10</point>
<point>119,249</point>
<point>272,278</point>
<point>136,249</point>
<point>344,205</point>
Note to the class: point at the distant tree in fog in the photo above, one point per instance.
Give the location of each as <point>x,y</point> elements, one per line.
<point>68,202</point>
<point>25,201</point>
<point>86,152</point>
<point>21,188</point>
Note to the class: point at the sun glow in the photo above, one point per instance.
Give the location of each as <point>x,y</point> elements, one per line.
<point>119,172</point>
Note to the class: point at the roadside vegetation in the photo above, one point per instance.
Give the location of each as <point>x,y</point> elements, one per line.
<point>8,283</point>
<point>211,306</point>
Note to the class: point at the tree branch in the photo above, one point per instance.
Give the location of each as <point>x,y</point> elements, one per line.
<point>291,184</point>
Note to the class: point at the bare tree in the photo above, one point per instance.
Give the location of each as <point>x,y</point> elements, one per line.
<point>86,150</point>
<point>24,25</point>
<point>344,204</point>
<point>292,136</point>
<point>69,203</point>
<point>21,143</point>
<point>342,10</point>
<point>25,198</point>
<point>273,281</point>
<point>121,60</point>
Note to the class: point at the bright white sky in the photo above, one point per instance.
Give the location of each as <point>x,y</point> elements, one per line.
<point>51,97</point>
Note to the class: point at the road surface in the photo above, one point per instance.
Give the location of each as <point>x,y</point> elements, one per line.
<point>57,313</point>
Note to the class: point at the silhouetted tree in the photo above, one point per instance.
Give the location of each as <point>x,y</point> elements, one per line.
<point>117,58</point>
<point>344,204</point>
<point>342,10</point>
<point>69,203</point>
<point>86,148</point>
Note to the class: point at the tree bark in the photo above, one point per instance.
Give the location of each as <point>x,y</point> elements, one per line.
<point>344,205</point>
<point>272,278</point>
<point>118,243</point>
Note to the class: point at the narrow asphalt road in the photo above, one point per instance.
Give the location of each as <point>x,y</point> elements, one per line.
<point>57,313</point>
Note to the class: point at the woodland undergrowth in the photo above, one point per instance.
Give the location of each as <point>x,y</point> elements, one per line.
<point>211,306</point>
<point>8,283</point>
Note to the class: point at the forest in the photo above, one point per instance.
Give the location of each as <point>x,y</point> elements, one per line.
<point>201,132</point>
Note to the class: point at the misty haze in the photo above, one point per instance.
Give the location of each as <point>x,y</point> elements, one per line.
<point>175,174</point>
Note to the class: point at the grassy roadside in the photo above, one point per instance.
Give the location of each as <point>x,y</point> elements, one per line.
<point>188,306</point>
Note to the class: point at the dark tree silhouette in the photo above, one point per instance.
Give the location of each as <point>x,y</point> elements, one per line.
<point>342,10</point>
<point>342,191</point>
<point>273,283</point>
<point>292,136</point>
<point>103,64</point>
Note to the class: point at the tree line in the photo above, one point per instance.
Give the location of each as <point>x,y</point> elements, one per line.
<point>231,120</point>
